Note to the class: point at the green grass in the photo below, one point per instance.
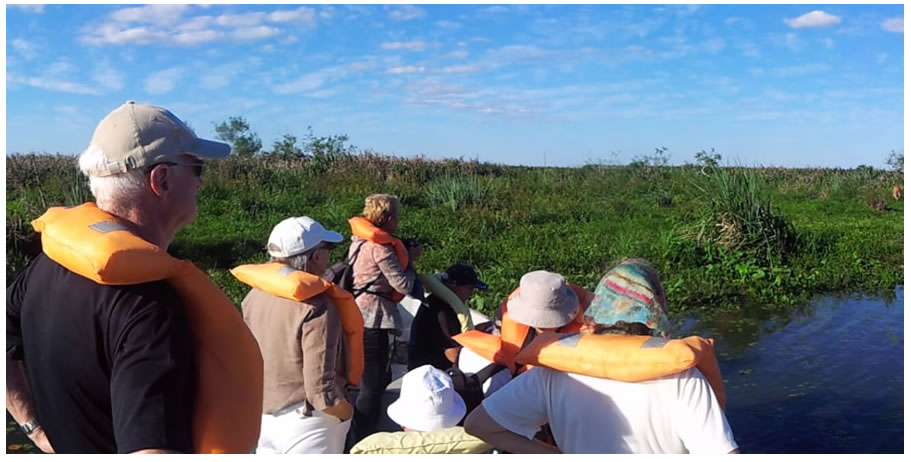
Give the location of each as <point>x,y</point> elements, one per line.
<point>801,231</point>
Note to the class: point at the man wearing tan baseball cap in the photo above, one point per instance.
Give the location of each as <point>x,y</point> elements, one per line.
<point>111,368</point>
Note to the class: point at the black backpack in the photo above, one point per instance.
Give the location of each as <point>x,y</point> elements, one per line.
<point>469,385</point>
<point>342,274</point>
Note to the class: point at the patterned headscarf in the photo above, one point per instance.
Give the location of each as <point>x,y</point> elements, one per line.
<point>631,292</point>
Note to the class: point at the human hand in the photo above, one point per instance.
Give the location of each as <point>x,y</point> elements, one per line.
<point>342,410</point>
<point>41,442</point>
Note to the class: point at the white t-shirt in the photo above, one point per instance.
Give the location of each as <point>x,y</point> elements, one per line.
<point>674,414</point>
<point>470,361</point>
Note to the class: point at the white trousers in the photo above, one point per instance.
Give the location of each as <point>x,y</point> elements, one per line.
<point>290,432</point>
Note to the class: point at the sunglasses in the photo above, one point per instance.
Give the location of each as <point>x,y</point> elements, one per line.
<point>197,167</point>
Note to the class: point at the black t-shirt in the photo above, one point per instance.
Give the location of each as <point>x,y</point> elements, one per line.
<point>431,334</point>
<point>111,368</point>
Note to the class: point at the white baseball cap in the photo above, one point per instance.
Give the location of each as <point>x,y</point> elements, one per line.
<point>136,135</point>
<point>296,235</point>
<point>427,401</point>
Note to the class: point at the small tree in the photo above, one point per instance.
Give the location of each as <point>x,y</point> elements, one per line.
<point>237,132</point>
<point>896,161</point>
<point>328,147</point>
<point>708,159</point>
<point>286,148</point>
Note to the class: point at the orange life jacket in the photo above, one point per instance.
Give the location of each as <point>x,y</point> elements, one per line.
<point>282,281</point>
<point>229,391</point>
<point>503,349</point>
<point>628,358</point>
<point>364,229</point>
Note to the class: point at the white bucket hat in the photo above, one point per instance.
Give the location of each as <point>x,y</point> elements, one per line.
<point>544,301</point>
<point>427,401</point>
<point>296,235</point>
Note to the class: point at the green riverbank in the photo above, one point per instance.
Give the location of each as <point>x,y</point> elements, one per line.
<point>720,238</point>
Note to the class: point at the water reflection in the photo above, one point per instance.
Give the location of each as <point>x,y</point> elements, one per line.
<point>823,378</point>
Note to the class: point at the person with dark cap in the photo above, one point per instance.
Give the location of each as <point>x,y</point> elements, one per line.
<point>436,322</point>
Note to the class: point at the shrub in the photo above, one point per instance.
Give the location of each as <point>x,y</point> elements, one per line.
<point>739,217</point>
<point>459,191</point>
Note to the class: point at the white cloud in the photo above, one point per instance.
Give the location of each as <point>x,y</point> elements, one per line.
<point>461,69</point>
<point>457,54</point>
<point>804,69</point>
<point>221,76</point>
<point>164,81</point>
<point>195,23</point>
<point>288,40</point>
<point>813,19</point>
<point>154,14</point>
<point>59,67</point>
<point>37,9</point>
<point>327,12</point>
<point>414,45</point>
<point>108,77</point>
<point>448,25</point>
<point>54,85</point>
<point>749,49</point>
<point>255,33</point>
<point>405,12</point>
<point>26,49</point>
<point>492,10</point>
<point>307,82</point>
<point>240,20</point>
<point>196,37</point>
<point>405,70</point>
<point>793,42</point>
<point>115,35</point>
<point>894,25</point>
<point>302,15</point>
<point>714,45</point>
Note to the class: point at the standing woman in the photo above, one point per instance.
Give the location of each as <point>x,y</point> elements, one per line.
<point>383,272</point>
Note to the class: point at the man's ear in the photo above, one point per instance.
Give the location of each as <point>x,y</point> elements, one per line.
<point>158,180</point>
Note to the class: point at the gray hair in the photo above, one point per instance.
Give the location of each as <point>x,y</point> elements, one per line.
<point>113,193</point>
<point>299,261</point>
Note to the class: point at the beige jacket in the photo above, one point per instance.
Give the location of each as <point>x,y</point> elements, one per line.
<point>379,261</point>
<point>303,347</point>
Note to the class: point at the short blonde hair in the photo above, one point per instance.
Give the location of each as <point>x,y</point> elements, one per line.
<point>380,208</point>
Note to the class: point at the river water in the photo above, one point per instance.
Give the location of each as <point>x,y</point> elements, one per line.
<point>824,378</point>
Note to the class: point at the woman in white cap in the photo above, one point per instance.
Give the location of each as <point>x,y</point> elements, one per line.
<point>305,402</point>
<point>428,410</point>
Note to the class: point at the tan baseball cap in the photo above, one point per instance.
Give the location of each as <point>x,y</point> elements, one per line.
<point>135,135</point>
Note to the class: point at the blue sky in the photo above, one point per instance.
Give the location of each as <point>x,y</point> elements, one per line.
<point>788,85</point>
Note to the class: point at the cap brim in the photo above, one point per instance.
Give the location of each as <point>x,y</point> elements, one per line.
<point>333,237</point>
<point>481,285</point>
<point>210,149</point>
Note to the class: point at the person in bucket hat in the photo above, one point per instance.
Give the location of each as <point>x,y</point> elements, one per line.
<point>428,410</point>
<point>544,301</point>
<point>677,413</point>
<point>427,401</point>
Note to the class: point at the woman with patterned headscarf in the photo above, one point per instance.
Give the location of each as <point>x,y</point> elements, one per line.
<point>677,413</point>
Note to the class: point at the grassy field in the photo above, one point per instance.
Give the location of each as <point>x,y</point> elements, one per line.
<point>720,238</point>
